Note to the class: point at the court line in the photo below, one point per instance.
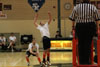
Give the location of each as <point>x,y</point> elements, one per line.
<point>17,61</point>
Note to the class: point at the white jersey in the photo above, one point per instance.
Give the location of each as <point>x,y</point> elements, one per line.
<point>44,30</point>
<point>34,47</point>
<point>3,39</point>
<point>12,38</point>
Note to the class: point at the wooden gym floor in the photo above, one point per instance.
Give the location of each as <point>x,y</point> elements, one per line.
<point>17,59</point>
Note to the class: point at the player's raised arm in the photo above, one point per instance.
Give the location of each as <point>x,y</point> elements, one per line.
<point>49,17</point>
<point>35,20</point>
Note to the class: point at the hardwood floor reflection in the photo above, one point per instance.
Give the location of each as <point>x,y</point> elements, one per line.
<point>17,59</point>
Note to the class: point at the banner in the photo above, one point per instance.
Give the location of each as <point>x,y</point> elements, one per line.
<point>36,4</point>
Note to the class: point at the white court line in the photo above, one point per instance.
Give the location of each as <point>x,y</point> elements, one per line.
<point>17,62</point>
<point>2,62</point>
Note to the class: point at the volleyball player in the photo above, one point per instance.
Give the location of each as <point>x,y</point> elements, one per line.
<point>33,49</point>
<point>45,34</point>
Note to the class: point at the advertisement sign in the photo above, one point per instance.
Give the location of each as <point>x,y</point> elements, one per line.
<point>61,44</point>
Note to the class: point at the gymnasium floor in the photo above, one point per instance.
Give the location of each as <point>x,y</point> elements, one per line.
<point>17,59</point>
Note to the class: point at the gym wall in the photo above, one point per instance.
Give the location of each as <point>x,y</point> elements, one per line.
<point>21,10</point>
<point>20,18</point>
<point>25,27</point>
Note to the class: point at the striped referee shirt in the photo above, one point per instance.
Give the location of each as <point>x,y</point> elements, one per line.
<point>84,13</point>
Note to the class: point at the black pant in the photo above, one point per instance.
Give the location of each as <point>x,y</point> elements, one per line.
<point>46,43</point>
<point>4,47</point>
<point>95,45</point>
<point>28,53</point>
<point>85,33</point>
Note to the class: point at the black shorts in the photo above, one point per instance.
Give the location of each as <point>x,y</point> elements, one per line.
<point>46,43</point>
<point>28,53</point>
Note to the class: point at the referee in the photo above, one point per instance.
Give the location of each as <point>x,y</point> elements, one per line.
<point>86,17</point>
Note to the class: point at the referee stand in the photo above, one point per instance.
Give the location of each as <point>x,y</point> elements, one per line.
<point>75,52</point>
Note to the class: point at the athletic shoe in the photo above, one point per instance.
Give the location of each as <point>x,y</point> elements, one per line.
<point>48,63</point>
<point>28,64</point>
<point>44,64</point>
<point>41,65</point>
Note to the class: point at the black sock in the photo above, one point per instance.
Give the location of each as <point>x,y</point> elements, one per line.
<point>48,59</point>
<point>44,60</point>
